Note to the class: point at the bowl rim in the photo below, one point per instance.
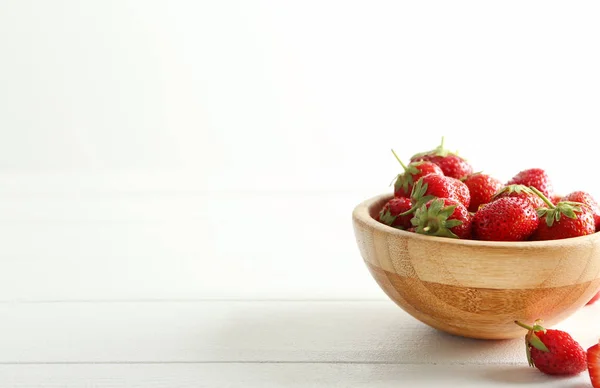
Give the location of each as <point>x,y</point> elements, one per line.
<point>361,214</point>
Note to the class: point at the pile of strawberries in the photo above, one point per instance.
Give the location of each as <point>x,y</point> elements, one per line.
<point>438,194</point>
<point>555,352</point>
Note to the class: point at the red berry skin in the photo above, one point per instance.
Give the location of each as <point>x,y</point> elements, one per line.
<point>535,177</point>
<point>389,214</point>
<point>452,165</point>
<point>482,188</point>
<point>505,219</point>
<point>565,356</point>
<point>405,181</point>
<point>529,195</point>
<point>441,186</point>
<point>593,365</point>
<point>566,227</point>
<point>586,199</point>
<point>594,299</point>
<point>462,192</point>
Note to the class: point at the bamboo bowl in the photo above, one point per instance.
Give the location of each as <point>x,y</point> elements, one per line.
<point>477,289</point>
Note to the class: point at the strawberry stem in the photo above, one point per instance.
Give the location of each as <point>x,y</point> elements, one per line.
<point>524,326</point>
<point>409,211</point>
<point>400,161</point>
<point>543,197</point>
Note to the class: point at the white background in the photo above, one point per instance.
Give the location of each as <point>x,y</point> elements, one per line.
<point>215,149</point>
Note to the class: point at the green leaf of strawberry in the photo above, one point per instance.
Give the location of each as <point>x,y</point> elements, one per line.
<point>554,212</point>
<point>433,219</point>
<point>437,151</point>
<point>387,218</point>
<point>514,188</point>
<point>418,194</point>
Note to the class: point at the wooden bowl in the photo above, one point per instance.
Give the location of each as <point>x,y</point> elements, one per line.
<point>477,288</point>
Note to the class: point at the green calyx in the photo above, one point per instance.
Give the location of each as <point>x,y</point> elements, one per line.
<point>418,197</point>
<point>437,151</point>
<point>515,188</point>
<point>531,339</point>
<point>406,179</point>
<point>386,217</point>
<point>433,221</point>
<point>553,212</point>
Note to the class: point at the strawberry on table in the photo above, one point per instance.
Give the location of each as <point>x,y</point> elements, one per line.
<point>586,199</point>
<point>451,164</point>
<point>415,170</point>
<point>535,177</point>
<point>553,352</point>
<point>520,191</point>
<point>482,188</point>
<point>443,217</point>
<point>593,365</point>
<point>390,214</point>
<point>505,219</point>
<point>594,299</point>
<point>563,220</point>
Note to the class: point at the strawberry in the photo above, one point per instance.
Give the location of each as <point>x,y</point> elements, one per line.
<point>563,220</point>
<point>443,217</point>
<point>593,364</point>
<point>451,164</point>
<point>505,219</point>
<point>412,173</point>
<point>553,352</point>
<point>586,199</point>
<point>520,191</point>
<point>594,299</point>
<point>535,177</point>
<point>555,198</point>
<point>390,214</point>
<point>440,186</point>
<point>482,188</point>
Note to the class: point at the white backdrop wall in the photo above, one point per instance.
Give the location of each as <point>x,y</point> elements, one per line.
<point>215,149</point>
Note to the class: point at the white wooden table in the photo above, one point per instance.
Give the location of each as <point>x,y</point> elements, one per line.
<point>253,344</point>
<point>126,289</point>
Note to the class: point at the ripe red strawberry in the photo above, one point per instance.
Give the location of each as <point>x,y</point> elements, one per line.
<point>482,188</point>
<point>390,213</point>
<point>563,220</point>
<point>440,186</point>
<point>443,217</point>
<point>412,173</point>
<point>535,177</point>
<point>586,199</point>
<point>594,299</point>
<point>505,219</point>
<point>451,164</point>
<point>593,364</point>
<point>553,352</point>
<point>520,191</point>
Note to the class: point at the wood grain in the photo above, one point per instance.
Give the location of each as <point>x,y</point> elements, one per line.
<point>476,288</point>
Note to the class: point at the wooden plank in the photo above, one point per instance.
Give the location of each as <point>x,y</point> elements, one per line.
<point>189,246</point>
<point>358,332</point>
<point>280,375</point>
